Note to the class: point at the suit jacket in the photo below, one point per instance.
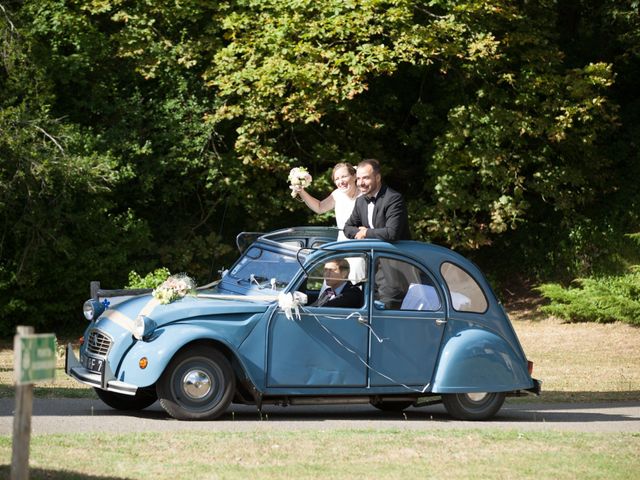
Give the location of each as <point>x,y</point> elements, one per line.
<point>350,297</point>
<point>389,217</point>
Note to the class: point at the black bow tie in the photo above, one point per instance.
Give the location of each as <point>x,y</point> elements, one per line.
<point>370,200</point>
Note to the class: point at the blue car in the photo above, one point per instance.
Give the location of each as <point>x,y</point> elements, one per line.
<point>405,324</point>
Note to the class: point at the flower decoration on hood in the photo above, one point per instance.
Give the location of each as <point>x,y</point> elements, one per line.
<point>174,288</point>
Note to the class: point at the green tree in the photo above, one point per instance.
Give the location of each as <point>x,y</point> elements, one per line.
<point>54,198</point>
<point>147,133</point>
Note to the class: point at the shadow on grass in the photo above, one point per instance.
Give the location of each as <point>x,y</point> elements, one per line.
<point>8,391</point>
<point>39,473</point>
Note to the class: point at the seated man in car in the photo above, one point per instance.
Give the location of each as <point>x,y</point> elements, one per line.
<point>337,290</point>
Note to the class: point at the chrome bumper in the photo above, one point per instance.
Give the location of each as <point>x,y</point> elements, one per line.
<point>105,381</point>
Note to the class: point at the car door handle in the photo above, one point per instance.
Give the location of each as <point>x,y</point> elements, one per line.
<point>440,321</point>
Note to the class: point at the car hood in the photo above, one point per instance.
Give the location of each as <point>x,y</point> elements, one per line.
<point>125,312</point>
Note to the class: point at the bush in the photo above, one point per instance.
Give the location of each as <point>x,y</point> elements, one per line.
<point>603,300</point>
<point>150,280</point>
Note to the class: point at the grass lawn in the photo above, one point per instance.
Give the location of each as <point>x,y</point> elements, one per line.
<point>353,454</point>
<point>577,362</point>
<point>583,362</point>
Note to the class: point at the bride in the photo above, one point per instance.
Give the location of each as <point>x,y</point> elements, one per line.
<point>342,201</point>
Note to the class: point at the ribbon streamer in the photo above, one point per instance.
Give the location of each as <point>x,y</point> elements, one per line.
<point>291,304</point>
<point>248,298</point>
<point>364,324</point>
<point>363,361</point>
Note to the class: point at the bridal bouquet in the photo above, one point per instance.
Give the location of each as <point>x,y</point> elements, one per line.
<point>299,178</point>
<point>174,288</point>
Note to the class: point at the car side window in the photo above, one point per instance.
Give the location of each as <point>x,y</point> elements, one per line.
<point>315,278</point>
<point>466,294</point>
<point>400,285</point>
<point>332,282</point>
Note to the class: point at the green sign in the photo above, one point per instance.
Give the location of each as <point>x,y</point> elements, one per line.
<point>35,358</point>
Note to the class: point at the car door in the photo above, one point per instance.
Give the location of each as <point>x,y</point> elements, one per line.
<point>326,347</point>
<point>408,318</point>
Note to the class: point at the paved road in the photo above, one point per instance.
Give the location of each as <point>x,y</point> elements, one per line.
<point>86,415</point>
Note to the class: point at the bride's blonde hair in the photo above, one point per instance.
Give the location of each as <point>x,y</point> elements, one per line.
<point>348,166</point>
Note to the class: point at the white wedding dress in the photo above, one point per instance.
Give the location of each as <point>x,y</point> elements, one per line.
<point>344,207</point>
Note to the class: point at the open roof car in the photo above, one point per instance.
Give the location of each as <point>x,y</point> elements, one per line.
<point>427,328</point>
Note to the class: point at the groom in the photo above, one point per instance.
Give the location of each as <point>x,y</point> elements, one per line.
<point>337,290</point>
<point>380,211</point>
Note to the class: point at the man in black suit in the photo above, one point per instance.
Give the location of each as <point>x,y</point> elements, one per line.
<point>380,211</point>
<point>337,290</point>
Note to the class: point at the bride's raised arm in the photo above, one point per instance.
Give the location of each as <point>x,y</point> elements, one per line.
<point>318,206</point>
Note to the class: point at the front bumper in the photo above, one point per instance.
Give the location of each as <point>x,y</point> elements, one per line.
<point>105,381</point>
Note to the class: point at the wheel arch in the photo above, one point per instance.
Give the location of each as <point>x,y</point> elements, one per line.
<point>477,360</point>
<point>161,350</point>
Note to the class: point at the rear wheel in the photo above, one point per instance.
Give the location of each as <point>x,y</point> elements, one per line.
<point>198,384</point>
<point>473,406</point>
<point>142,399</point>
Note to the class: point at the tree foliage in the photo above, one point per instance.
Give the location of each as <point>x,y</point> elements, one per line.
<point>140,134</point>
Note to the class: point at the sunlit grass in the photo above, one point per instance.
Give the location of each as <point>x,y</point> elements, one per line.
<point>344,454</point>
<point>583,361</point>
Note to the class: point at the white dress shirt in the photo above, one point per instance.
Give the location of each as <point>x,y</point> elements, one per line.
<point>370,207</point>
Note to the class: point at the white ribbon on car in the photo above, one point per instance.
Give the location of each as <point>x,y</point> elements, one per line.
<point>352,351</point>
<point>290,303</point>
<point>364,324</point>
<point>240,298</point>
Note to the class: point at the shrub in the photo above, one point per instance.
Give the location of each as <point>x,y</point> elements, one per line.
<point>603,300</point>
<point>150,280</point>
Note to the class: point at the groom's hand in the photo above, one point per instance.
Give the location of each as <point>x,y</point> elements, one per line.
<point>362,233</point>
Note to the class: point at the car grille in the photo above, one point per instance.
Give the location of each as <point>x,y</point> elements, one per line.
<point>98,343</point>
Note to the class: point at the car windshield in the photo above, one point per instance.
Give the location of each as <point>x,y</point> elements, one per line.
<point>265,270</point>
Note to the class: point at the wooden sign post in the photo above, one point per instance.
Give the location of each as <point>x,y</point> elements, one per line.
<point>34,360</point>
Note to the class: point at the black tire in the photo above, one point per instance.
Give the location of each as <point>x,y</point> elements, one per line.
<point>473,406</point>
<point>198,384</point>
<point>142,399</point>
<point>391,406</point>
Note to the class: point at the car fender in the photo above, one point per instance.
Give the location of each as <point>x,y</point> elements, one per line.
<point>477,360</point>
<point>167,341</point>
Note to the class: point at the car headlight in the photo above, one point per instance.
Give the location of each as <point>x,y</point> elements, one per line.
<point>92,309</point>
<point>143,327</point>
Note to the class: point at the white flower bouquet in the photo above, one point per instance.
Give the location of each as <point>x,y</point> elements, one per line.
<point>299,178</point>
<point>174,288</point>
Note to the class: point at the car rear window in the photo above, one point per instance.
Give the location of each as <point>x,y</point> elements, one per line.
<point>466,294</point>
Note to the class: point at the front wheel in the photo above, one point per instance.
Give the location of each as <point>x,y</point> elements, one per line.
<point>198,384</point>
<point>473,406</point>
<point>142,399</point>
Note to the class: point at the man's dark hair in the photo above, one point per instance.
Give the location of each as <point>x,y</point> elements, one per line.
<point>342,263</point>
<point>375,164</point>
